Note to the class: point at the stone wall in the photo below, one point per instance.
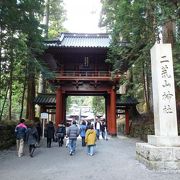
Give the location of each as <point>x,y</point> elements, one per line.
<point>141,129</point>
<point>7,136</point>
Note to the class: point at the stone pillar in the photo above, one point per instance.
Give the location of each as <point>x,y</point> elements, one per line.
<point>162,152</point>
<point>164,105</point>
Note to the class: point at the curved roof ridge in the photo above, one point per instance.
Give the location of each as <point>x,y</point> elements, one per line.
<point>93,40</point>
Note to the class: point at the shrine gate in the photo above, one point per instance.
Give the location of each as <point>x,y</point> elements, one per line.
<point>80,67</point>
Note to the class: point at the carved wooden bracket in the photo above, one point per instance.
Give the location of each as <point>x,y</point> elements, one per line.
<point>95,83</point>
<point>77,83</point>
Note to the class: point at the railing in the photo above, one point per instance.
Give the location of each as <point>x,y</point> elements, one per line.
<point>84,74</point>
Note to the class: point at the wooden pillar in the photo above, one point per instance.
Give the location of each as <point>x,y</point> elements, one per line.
<point>127,121</point>
<point>108,114</point>
<point>63,109</point>
<point>113,128</point>
<point>59,105</point>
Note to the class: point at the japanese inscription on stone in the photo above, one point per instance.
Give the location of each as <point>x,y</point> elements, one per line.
<point>167,80</point>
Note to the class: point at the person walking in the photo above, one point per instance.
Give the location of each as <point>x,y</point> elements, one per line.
<point>72,134</point>
<point>39,130</point>
<point>88,125</point>
<point>83,132</point>
<point>90,140</point>
<point>98,128</point>
<point>50,133</point>
<point>20,132</point>
<point>103,129</point>
<point>60,133</point>
<point>32,138</point>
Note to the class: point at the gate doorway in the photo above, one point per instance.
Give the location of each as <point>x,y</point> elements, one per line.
<point>85,108</point>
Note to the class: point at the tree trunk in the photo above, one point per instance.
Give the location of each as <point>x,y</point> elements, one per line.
<point>4,103</point>
<point>169,32</point>
<point>46,18</point>
<point>30,113</point>
<point>22,100</point>
<point>10,84</point>
<point>0,67</point>
<point>146,88</point>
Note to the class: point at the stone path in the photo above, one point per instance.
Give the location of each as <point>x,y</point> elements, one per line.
<point>114,160</point>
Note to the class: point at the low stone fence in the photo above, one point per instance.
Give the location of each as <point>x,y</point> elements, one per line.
<point>142,129</point>
<point>7,136</point>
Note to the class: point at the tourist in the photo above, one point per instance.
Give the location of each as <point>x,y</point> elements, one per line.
<point>83,132</point>
<point>103,130</point>
<point>50,133</point>
<point>98,128</point>
<point>32,138</point>
<point>88,125</point>
<point>60,133</point>
<point>90,140</point>
<point>20,132</point>
<point>72,134</point>
<point>39,130</point>
<point>67,141</point>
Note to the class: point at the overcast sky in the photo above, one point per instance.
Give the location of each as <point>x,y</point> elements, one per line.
<point>82,15</point>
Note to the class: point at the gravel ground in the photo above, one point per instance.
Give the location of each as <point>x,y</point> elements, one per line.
<point>114,160</point>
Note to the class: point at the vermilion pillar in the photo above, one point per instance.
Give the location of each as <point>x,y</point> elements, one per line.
<point>113,128</point>
<point>127,121</point>
<point>63,109</point>
<point>108,115</point>
<point>59,108</point>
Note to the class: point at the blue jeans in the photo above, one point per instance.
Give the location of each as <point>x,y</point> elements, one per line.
<point>90,149</point>
<point>97,133</point>
<point>72,145</point>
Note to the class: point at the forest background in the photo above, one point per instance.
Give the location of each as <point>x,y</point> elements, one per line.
<point>134,25</point>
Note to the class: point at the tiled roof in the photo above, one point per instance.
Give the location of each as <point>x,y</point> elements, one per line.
<point>125,101</point>
<point>45,99</point>
<point>101,40</point>
<point>50,99</point>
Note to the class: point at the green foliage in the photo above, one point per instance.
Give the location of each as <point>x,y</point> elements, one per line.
<point>98,104</point>
<point>135,26</point>
<point>20,43</point>
<point>56,18</point>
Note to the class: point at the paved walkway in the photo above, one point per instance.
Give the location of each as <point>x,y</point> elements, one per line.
<point>114,160</point>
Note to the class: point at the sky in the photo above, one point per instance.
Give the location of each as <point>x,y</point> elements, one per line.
<point>82,16</point>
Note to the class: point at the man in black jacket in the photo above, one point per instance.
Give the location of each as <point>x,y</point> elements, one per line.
<point>60,133</point>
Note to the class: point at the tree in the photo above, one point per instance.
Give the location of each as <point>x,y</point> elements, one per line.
<point>56,18</point>
<point>98,105</point>
<point>20,24</point>
<point>135,26</point>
